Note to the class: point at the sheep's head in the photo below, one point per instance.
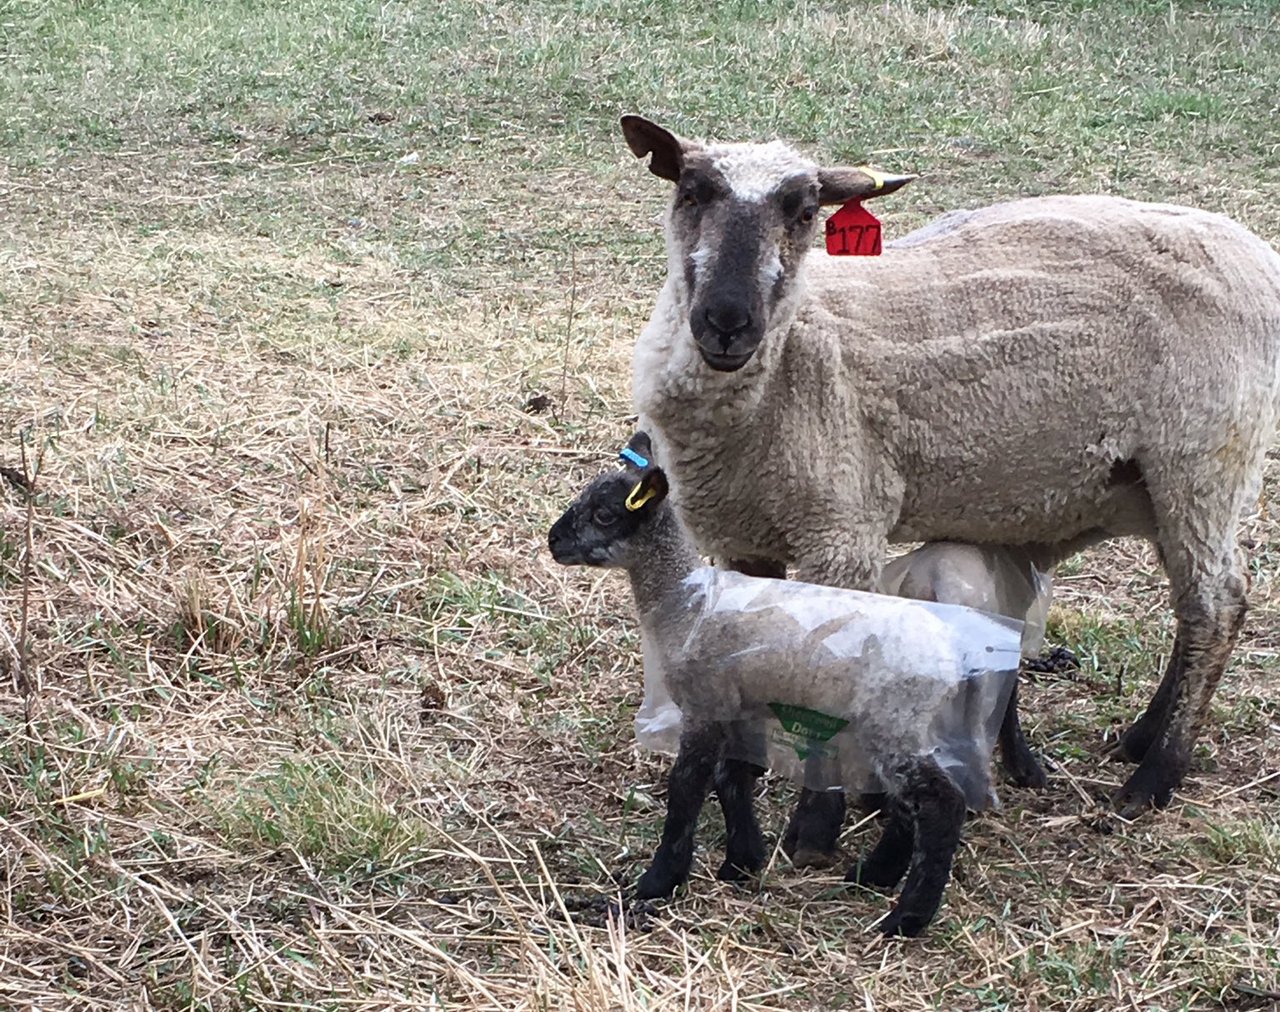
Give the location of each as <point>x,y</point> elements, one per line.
<point>600,525</point>
<point>741,220</point>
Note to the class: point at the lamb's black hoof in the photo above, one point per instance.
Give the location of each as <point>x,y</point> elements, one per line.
<point>657,883</point>
<point>806,857</point>
<point>906,925</point>
<point>729,872</point>
<point>876,874</point>
<point>742,867</point>
<point>814,830</point>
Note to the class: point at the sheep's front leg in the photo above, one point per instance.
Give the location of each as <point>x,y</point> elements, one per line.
<point>811,835</point>
<point>701,746</point>
<point>937,809</point>
<point>1134,744</point>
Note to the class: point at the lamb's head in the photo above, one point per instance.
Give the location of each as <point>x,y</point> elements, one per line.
<point>741,220</point>
<point>604,525</point>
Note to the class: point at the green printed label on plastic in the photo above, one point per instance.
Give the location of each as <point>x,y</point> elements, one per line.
<point>806,731</point>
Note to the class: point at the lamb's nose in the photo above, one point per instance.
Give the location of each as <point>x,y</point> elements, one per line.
<point>727,319</point>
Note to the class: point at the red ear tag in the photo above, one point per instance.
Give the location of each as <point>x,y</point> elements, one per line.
<point>853,231</point>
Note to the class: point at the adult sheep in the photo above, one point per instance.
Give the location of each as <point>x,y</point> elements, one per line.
<point>1044,373</point>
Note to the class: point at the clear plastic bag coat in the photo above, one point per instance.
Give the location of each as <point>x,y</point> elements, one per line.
<point>824,684</point>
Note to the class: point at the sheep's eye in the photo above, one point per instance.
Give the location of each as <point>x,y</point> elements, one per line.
<point>605,517</point>
<point>807,214</point>
<point>688,199</point>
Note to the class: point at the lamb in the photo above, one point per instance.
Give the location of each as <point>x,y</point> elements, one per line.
<point>1041,374</point>
<point>1003,581</point>
<point>724,664</point>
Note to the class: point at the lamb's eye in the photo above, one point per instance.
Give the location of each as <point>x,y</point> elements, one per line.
<point>688,199</point>
<point>605,517</point>
<point>807,214</point>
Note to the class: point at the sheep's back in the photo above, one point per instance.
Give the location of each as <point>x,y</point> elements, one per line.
<point>1012,358</point>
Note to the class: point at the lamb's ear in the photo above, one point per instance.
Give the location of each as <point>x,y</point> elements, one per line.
<point>650,490</point>
<point>645,137</point>
<point>844,183</point>
<point>637,455</point>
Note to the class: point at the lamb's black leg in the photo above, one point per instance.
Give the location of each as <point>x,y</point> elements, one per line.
<point>884,867</point>
<point>700,749</point>
<point>938,808</point>
<point>1016,757</point>
<point>744,849</point>
<point>743,752</point>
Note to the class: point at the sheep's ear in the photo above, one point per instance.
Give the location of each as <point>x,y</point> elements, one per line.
<point>650,490</point>
<point>844,183</point>
<point>645,137</point>
<point>638,453</point>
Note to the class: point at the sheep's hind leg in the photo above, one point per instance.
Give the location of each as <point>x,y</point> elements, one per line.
<point>1134,744</point>
<point>1019,762</point>
<point>937,810</point>
<point>1208,586</point>
<point>735,781</point>
<point>687,785</point>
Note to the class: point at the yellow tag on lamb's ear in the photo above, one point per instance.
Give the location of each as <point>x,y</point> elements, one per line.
<point>633,503</point>
<point>876,177</point>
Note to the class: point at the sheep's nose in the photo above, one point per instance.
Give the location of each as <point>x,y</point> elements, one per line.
<point>728,320</point>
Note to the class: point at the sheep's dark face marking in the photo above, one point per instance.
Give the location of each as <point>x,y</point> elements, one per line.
<point>742,218</point>
<point>739,237</point>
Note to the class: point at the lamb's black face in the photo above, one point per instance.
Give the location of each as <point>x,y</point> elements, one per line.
<point>596,528</point>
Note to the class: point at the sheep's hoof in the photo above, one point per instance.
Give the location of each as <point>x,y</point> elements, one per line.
<point>806,857</point>
<point>1024,770</point>
<point>1132,746</point>
<point>1121,752</point>
<point>1149,787</point>
<point>898,923</point>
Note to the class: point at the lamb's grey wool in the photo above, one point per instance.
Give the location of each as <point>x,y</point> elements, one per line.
<point>921,686</point>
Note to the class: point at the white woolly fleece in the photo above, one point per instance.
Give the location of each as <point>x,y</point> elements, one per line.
<point>992,378</point>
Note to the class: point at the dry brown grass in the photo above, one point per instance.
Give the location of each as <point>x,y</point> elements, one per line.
<point>302,715</point>
<point>311,720</point>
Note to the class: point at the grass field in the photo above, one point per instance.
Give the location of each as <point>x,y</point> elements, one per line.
<point>314,315</point>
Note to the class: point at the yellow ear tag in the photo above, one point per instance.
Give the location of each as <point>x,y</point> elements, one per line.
<point>876,177</point>
<point>633,503</point>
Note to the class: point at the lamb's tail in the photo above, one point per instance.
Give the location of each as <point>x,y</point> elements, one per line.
<point>964,740</point>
